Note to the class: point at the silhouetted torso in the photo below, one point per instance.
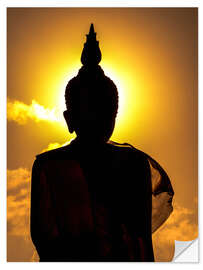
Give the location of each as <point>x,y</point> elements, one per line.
<point>92,204</point>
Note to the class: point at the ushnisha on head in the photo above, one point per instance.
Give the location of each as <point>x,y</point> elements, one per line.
<point>91,97</point>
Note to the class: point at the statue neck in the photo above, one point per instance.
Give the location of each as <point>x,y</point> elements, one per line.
<point>89,145</point>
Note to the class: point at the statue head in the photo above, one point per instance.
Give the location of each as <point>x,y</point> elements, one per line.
<point>91,97</point>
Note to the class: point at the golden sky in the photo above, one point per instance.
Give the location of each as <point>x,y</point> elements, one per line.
<point>151,54</point>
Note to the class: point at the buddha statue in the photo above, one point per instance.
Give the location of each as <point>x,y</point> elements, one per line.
<point>95,199</point>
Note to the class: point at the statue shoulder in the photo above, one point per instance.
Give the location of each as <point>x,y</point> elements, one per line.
<point>55,154</point>
<point>127,148</point>
<point>159,177</point>
<point>129,156</point>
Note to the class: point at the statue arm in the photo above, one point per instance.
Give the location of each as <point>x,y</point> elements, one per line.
<point>162,194</point>
<point>44,231</point>
<point>145,236</point>
<point>139,211</point>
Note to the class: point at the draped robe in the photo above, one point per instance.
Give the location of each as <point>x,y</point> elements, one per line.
<point>98,203</point>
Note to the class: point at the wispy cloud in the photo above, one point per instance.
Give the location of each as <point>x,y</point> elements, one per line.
<point>181,225</point>
<point>20,112</point>
<point>55,145</point>
<point>18,196</point>
<point>20,247</point>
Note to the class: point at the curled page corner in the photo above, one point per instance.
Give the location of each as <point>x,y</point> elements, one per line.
<point>186,251</point>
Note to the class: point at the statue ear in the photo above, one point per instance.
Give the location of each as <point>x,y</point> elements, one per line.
<point>69,121</point>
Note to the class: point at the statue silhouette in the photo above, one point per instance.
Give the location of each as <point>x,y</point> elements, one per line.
<point>94,199</point>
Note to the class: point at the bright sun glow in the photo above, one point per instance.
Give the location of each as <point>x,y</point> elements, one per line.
<point>120,86</point>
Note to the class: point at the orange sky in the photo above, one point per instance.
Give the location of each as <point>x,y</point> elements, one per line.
<point>150,53</point>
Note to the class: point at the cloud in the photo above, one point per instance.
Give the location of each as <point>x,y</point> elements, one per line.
<point>20,112</point>
<point>181,225</point>
<point>18,195</point>
<point>55,145</point>
<point>19,245</point>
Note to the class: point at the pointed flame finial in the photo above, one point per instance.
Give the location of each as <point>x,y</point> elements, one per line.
<point>91,54</point>
<point>91,29</point>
